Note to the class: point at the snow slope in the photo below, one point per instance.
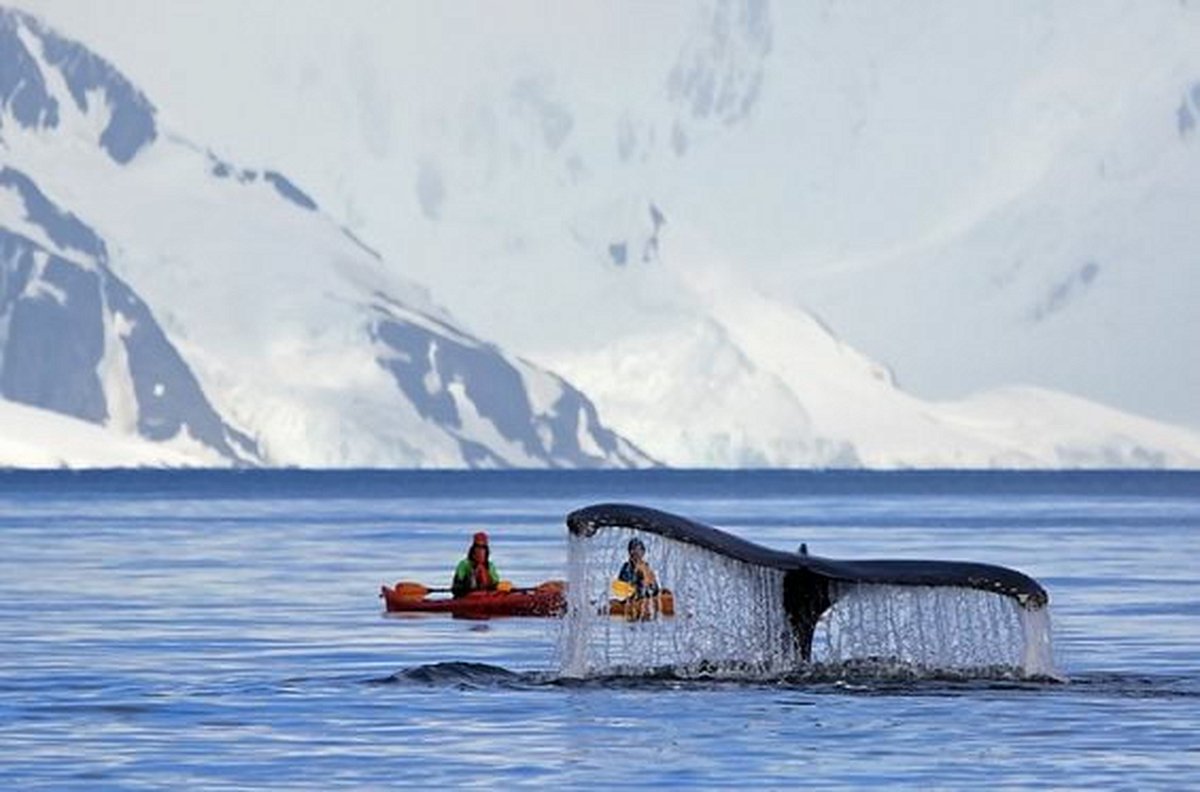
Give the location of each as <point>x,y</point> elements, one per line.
<point>34,438</point>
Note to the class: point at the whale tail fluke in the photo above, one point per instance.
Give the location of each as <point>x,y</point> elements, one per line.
<point>812,584</point>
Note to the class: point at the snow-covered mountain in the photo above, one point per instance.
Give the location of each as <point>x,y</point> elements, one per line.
<point>975,194</point>
<point>162,293</point>
<point>652,200</point>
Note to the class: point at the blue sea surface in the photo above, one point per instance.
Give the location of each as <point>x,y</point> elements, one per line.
<point>222,630</point>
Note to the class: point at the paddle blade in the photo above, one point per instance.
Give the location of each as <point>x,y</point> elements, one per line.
<point>406,589</point>
<point>504,586</point>
<point>622,590</point>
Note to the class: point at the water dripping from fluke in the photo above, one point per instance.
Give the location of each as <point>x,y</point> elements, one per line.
<point>744,611</point>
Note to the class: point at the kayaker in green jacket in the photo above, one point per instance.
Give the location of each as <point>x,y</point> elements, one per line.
<point>476,572</point>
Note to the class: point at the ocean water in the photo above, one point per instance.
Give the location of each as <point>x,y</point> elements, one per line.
<point>222,630</point>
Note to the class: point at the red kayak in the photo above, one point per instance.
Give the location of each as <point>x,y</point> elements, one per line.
<point>548,599</point>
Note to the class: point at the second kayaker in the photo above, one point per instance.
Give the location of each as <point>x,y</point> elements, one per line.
<point>476,572</point>
<point>637,572</point>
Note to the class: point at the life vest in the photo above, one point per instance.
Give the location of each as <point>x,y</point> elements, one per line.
<point>641,576</point>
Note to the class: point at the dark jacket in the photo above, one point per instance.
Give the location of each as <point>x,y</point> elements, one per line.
<point>635,577</point>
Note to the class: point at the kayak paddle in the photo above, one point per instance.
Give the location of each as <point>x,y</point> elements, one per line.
<point>622,590</point>
<point>408,589</point>
<point>411,590</point>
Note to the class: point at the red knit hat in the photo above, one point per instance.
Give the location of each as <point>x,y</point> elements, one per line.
<point>481,539</point>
